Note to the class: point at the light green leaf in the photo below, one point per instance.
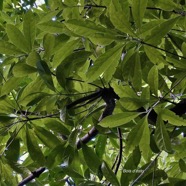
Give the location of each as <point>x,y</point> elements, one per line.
<point>118,11</point>
<point>33,58</point>
<point>158,32</point>
<point>154,55</point>
<point>9,49</point>
<point>100,145</point>
<point>144,144</point>
<point>137,135</point>
<point>11,84</point>
<point>103,63</point>
<point>91,158</point>
<point>172,118</point>
<point>118,119</point>
<point>48,43</point>
<point>45,74</point>
<point>65,50</point>
<point>29,28</point>
<point>73,138</point>
<point>153,79</point>
<point>52,27</point>
<point>109,174</point>
<point>33,148</point>
<point>167,5</point>
<point>17,38</point>
<point>87,28</point>
<point>138,11</point>
<point>161,136</point>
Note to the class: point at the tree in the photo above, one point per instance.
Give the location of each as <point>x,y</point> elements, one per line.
<point>130,53</point>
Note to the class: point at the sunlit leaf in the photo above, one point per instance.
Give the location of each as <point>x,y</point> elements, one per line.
<point>103,62</point>
<point>118,119</point>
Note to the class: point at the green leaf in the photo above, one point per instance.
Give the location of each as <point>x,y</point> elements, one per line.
<point>1,5</point>
<point>56,126</point>
<point>48,43</point>
<point>154,55</point>
<point>45,74</point>
<point>22,69</point>
<point>172,118</point>
<point>144,144</point>
<point>17,38</point>
<point>49,139</point>
<point>101,145</point>
<point>72,173</point>
<point>9,49</point>
<point>65,50</point>
<point>158,32</point>
<point>109,174</point>
<point>137,135</point>
<point>91,159</point>
<point>153,79</point>
<point>138,11</point>
<point>130,167</point>
<point>29,28</point>
<point>33,58</point>
<point>118,119</point>
<point>137,77</point>
<point>7,117</point>
<point>11,84</point>
<point>73,138</point>
<point>70,65</point>
<point>33,148</point>
<point>167,5</point>
<point>87,28</point>
<point>104,62</point>
<point>161,136</point>
<point>13,149</point>
<point>119,16</point>
<point>52,27</point>
<point>182,165</point>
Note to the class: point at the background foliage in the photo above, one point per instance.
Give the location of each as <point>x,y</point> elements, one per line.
<point>139,47</point>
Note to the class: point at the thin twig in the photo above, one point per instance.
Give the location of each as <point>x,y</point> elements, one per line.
<point>144,171</point>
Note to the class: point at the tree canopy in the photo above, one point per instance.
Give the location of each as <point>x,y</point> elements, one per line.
<point>66,65</point>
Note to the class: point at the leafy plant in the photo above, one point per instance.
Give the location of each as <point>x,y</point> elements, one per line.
<point>53,53</point>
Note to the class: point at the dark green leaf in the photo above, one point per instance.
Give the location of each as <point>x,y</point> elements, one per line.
<point>45,74</point>
<point>33,147</point>
<point>91,159</point>
<point>49,139</point>
<point>109,174</point>
<point>182,165</point>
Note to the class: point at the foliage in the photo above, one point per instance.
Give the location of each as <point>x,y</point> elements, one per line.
<point>138,47</point>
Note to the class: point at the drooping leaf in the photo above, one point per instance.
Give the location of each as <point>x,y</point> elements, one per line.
<point>103,62</point>
<point>118,119</point>
<point>91,159</point>
<point>109,174</point>
<point>153,79</point>
<point>45,74</point>
<point>33,147</point>
<point>17,38</point>
<point>138,11</point>
<point>161,136</point>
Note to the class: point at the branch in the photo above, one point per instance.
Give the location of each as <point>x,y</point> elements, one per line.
<point>34,175</point>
